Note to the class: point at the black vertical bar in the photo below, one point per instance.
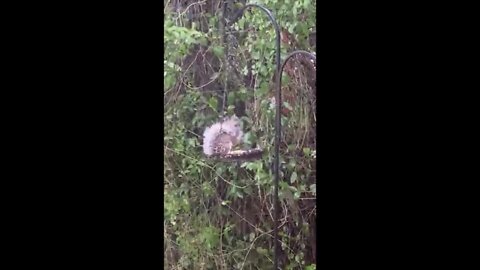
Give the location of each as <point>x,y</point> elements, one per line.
<point>223,33</point>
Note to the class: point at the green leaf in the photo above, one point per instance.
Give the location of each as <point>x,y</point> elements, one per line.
<point>192,142</point>
<point>252,236</point>
<point>293,178</point>
<point>261,251</point>
<point>231,98</point>
<point>213,103</point>
<point>291,28</point>
<point>313,189</point>
<point>214,75</point>
<point>247,138</point>
<point>203,41</point>
<point>287,106</point>
<point>306,4</point>
<point>230,109</point>
<point>219,170</point>
<point>241,23</point>
<point>218,51</point>
<point>292,163</point>
<point>226,202</point>
<point>263,89</point>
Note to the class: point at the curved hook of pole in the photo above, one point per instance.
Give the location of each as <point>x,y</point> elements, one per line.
<point>278,127</point>
<point>279,83</point>
<point>279,78</point>
<point>311,55</point>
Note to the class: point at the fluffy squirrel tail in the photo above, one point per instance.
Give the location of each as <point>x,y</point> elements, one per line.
<point>229,125</point>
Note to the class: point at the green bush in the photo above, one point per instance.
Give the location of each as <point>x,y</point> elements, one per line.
<point>220,215</point>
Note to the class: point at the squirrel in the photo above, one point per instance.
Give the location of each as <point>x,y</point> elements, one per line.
<point>222,137</point>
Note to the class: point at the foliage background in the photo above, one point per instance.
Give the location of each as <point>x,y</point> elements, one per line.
<point>219,215</point>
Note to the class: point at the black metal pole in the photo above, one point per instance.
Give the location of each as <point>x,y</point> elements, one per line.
<point>278,127</point>
<point>222,26</point>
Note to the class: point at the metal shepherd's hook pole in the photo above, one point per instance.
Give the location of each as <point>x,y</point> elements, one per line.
<point>278,123</point>
<point>278,128</point>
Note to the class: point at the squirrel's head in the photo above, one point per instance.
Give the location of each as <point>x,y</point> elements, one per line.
<point>232,121</point>
<point>233,126</point>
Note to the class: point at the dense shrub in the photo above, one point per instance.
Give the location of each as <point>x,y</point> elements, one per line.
<point>219,215</point>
